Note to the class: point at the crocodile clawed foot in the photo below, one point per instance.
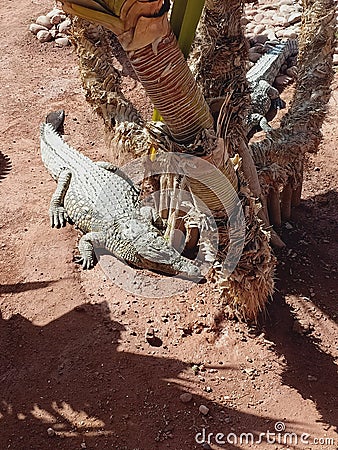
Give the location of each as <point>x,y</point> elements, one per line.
<point>58,217</point>
<point>86,263</point>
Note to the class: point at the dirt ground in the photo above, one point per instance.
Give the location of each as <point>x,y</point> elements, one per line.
<point>73,352</point>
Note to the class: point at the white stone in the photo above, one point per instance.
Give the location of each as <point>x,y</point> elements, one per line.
<point>203,410</point>
<point>259,29</point>
<point>35,28</point>
<point>285,9</point>
<point>279,20</point>
<point>258,18</point>
<point>55,20</point>
<point>44,36</point>
<point>62,41</point>
<point>294,18</point>
<point>54,11</point>
<point>186,397</point>
<point>290,34</point>
<point>44,20</point>
<point>65,25</point>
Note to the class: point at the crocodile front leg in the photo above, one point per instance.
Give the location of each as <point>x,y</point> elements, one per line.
<point>86,248</point>
<point>57,213</point>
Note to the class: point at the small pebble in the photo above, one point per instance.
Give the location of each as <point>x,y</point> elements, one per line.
<point>288,226</point>
<point>35,28</point>
<point>62,41</point>
<point>294,18</point>
<point>44,21</point>
<point>55,20</point>
<point>258,18</point>
<point>50,432</point>
<point>203,410</point>
<point>65,25</point>
<point>186,397</point>
<point>54,32</point>
<point>285,9</point>
<point>259,29</point>
<point>54,11</point>
<point>287,34</point>
<point>44,36</point>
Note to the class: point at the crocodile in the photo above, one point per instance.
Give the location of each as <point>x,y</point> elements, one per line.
<point>105,205</point>
<point>264,97</point>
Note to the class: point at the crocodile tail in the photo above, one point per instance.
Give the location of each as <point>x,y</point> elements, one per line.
<point>56,119</point>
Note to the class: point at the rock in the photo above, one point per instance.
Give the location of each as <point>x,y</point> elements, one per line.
<point>271,35</point>
<point>288,226</point>
<point>35,28</point>
<point>44,21</point>
<point>280,20</point>
<point>55,11</point>
<point>44,36</point>
<point>287,34</point>
<point>186,397</point>
<point>55,20</point>
<point>286,9</point>
<point>50,432</point>
<point>250,27</point>
<point>54,32</point>
<point>335,59</point>
<point>294,18</point>
<point>290,34</point>
<point>62,41</point>
<point>259,29</point>
<point>254,57</point>
<point>267,22</point>
<point>62,35</point>
<point>203,410</point>
<point>65,25</point>
<point>258,18</point>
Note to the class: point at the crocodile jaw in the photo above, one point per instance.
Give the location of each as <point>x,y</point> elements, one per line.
<point>153,251</point>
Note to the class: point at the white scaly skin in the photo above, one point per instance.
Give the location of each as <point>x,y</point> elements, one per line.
<point>104,204</point>
<point>261,77</point>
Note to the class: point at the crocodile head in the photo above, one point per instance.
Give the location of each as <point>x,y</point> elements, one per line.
<point>154,252</point>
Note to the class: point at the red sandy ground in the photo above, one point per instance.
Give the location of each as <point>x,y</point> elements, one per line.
<point>73,353</point>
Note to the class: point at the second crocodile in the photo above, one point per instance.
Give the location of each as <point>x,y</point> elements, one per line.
<point>261,78</point>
